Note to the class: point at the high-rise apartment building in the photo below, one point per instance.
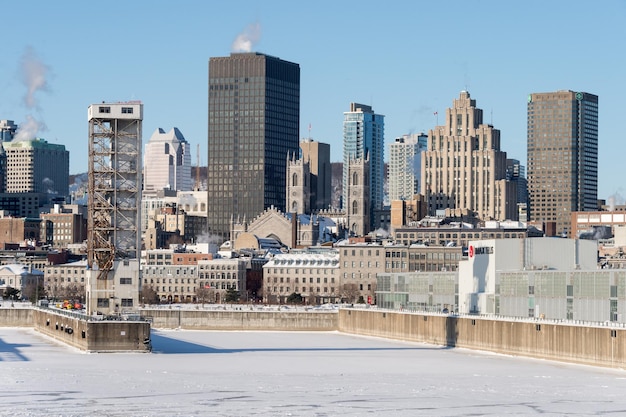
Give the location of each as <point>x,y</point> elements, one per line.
<point>317,154</point>
<point>364,138</point>
<point>37,166</point>
<point>463,167</point>
<point>405,166</point>
<point>562,156</point>
<point>254,116</point>
<point>167,162</point>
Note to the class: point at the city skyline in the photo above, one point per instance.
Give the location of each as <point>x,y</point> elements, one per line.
<point>403,67</point>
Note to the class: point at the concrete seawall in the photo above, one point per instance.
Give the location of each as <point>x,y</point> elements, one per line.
<point>598,346</point>
<point>93,336</point>
<point>583,344</point>
<point>241,320</point>
<point>16,317</point>
<point>76,331</point>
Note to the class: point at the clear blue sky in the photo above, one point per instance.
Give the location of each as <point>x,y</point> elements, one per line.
<point>407,59</point>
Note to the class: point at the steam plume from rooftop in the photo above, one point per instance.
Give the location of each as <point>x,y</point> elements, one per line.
<point>246,40</point>
<point>34,73</point>
<point>29,129</point>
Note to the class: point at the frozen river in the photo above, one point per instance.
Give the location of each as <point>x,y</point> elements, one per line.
<point>204,373</point>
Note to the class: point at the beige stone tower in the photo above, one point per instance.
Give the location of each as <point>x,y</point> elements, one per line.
<point>358,205</point>
<point>298,187</point>
<point>464,168</point>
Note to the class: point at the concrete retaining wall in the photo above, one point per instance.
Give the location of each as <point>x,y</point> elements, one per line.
<point>598,346</point>
<point>242,320</point>
<point>93,336</point>
<point>16,317</point>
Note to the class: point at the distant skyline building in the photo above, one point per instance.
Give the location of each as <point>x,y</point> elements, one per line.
<point>254,117</point>
<point>464,169</point>
<point>3,169</point>
<point>364,138</point>
<point>562,156</point>
<point>167,162</point>
<point>317,154</point>
<point>405,166</point>
<point>37,166</point>
<point>516,172</point>
<point>7,130</point>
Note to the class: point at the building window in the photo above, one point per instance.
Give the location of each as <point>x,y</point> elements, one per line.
<point>127,302</point>
<point>104,109</point>
<point>103,302</point>
<point>126,281</point>
<point>127,110</point>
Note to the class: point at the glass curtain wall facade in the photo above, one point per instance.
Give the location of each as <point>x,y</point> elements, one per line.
<point>562,156</point>
<point>363,135</point>
<point>254,114</point>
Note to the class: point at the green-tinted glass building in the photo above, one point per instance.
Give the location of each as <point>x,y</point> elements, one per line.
<point>254,115</point>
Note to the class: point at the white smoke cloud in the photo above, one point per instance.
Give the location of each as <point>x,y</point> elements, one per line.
<point>34,73</point>
<point>209,238</point>
<point>48,184</point>
<point>29,129</point>
<point>246,40</point>
<point>614,200</point>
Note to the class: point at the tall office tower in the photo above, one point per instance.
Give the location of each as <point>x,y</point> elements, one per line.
<point>405,166</point>
<point>317,154</point>
<point>167,162</point>
<point>463,167</point>
<point>37,166</point>
<point>7,130</point>
<point>3,169</point>
<point>254,116</point>
<point>562,156</point>
<point>364,138</point>
<point>114,206</point>
<point>516,172</point>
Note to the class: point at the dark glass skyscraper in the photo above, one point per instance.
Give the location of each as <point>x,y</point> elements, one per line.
<point>562,156</point>
<point>254,116</point>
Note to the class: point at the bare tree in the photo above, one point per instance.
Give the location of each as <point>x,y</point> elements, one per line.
<point>149,295</point>
<point>350,292</point>
<point>205,294</point>
<point>73,292</point>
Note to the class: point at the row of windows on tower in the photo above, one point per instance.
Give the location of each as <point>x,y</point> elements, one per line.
<point>483,161</point>
<point>107,109</point>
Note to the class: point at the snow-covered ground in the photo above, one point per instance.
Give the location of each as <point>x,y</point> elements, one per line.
<point>204,373</point>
